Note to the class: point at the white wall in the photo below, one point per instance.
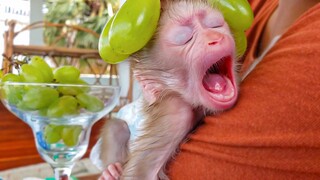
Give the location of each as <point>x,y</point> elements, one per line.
<point>36,35</point>
<point>18,10</point>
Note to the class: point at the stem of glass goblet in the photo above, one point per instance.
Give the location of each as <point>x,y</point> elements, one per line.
<point>62,173</point>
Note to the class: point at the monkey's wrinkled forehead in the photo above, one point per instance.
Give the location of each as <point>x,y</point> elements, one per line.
<point>183,10</point>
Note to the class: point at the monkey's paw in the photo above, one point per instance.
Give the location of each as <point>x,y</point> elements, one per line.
<point>113,172</point>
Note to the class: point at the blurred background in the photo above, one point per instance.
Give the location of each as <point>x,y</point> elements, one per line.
<point>91,14</point>
<point>56,23</point>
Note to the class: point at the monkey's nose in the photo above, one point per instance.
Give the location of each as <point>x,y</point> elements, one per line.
<point>212,43</point>
<point>215,41</point>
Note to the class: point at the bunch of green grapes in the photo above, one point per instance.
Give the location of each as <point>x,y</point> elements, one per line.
<point>69,134</point>
<point>49,100</point>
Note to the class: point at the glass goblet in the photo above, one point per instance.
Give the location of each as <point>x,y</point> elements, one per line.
<point>61,129</point>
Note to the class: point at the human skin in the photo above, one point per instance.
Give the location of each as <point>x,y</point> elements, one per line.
<point>285,14</point>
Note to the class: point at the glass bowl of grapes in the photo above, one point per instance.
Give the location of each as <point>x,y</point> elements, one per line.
<point>60,107</point>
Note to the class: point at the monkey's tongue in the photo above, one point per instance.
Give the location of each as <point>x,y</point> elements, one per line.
<point>219,85</point>
<point>215,83</point>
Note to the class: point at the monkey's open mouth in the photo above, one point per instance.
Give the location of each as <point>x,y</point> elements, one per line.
<point>218,80</point>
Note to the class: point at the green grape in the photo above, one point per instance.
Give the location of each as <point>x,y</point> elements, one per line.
<point>90,102</point>
<point>83,82</point>
<point>12,77</point>
<point>39,63</point>
<point>12,93</point>
<point>39,97</point>
<point>67,74</point>
<point>237,13</point>
<point>43,111</point>
<point>52,133</point>
<point>14,96</point>
<point>23,105</point>
<point>73,90</point>
<point>70,135</point>
<point>65,105</point>
<point>240,39</point>
<point>69,90</point>
<point>106,52</point>
<point>134,25</point>
<point>31,74</point>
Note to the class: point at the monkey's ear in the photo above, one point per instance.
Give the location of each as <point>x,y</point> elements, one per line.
<point>150,86</point>
<point>164,4</point>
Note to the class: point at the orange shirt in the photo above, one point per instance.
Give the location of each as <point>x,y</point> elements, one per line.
<point>273,132</point>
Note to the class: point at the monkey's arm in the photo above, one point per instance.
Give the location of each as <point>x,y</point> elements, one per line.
<point>168,121</point>
<point>114,141</point>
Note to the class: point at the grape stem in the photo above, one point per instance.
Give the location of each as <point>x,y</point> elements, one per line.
<point>14,62</point>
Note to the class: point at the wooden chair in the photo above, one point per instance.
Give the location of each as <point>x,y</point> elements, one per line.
<point>56,54</point>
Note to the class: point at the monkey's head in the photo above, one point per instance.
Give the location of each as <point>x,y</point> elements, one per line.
<point>192,53</point>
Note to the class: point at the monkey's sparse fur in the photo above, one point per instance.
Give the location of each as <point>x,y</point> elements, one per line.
<point>153,134</point>
<point>171,107</point>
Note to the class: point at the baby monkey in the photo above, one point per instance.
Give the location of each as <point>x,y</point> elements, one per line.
<point>186,71</point>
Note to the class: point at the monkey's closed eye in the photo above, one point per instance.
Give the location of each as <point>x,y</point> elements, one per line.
<point>217,26</point>
<point>213,21</point>
<point>181,35</point>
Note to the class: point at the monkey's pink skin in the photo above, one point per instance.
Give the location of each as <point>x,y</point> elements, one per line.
<point>113,171</point>
<point>202,51</point>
